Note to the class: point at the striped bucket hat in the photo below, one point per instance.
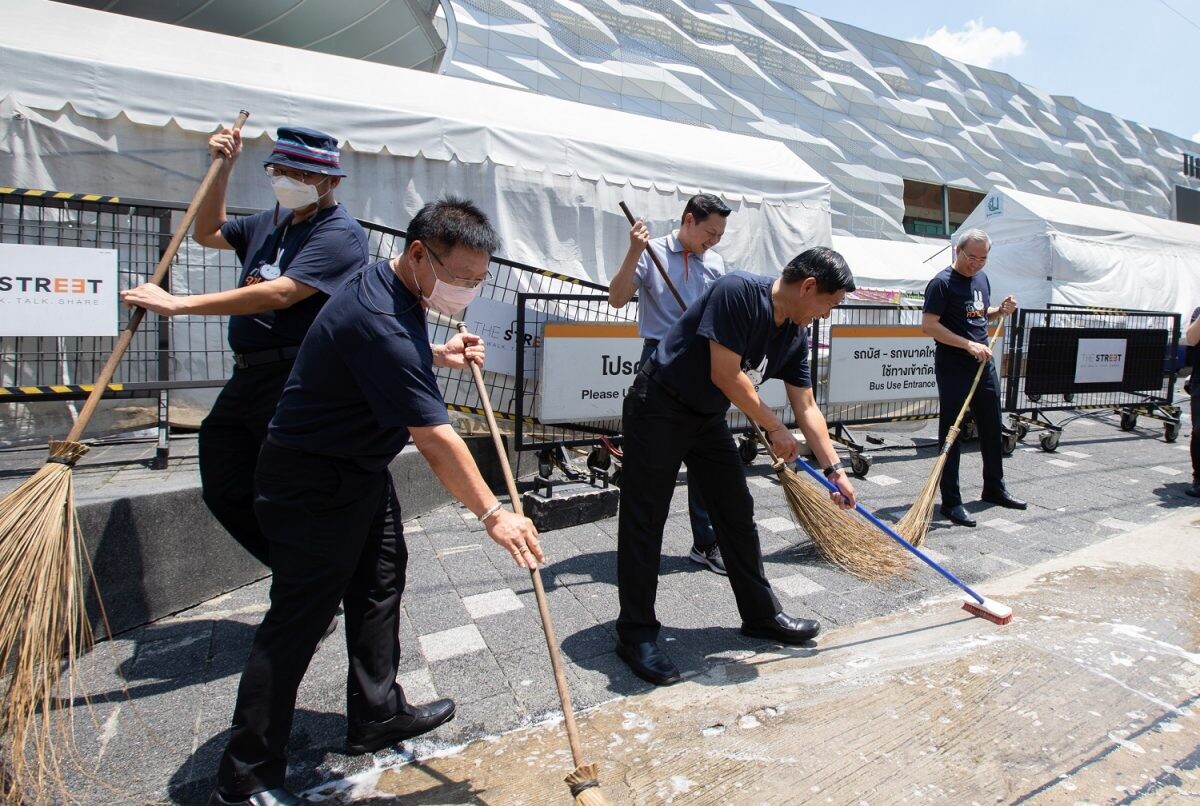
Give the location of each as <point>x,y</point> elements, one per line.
<point>305,150</point>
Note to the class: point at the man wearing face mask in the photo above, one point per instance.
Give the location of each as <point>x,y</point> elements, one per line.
<point>363,385</point>
<point>293,257</point>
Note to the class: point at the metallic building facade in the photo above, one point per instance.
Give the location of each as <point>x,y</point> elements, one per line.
<point>865,110</point>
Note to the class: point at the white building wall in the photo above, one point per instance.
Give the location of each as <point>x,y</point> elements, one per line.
<point>865,110</point>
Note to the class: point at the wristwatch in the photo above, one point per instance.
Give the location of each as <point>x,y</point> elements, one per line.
<point>833,468</point>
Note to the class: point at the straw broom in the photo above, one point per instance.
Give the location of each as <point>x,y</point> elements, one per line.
<point>584,781</point>
<point>914,526</point>
<point>44,627</point>
<point>842,540</point>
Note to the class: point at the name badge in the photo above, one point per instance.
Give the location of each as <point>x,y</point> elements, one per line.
<point>269,271</point>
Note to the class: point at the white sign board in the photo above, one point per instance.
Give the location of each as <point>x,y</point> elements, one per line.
<point>1100,361</point>
<point>876,363</point>
<point>57,291</point>
<point>496,323</point>
<point>586,370</point>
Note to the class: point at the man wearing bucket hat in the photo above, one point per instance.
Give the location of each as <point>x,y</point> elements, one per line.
<point>293,257</point>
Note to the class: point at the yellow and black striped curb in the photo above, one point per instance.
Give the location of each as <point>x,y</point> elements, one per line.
<point>58,195</point>
<point>58,389</point>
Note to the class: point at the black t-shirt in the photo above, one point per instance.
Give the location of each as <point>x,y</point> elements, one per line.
<point>320,252</point>
<point>961,303</point>
<point>363,376</point>
<point>735,312</point>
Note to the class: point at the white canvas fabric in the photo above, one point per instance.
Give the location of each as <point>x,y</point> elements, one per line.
<point>103,103</point>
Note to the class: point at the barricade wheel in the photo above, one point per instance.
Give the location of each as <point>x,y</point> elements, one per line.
<point>1022,431</point>
<point>1171,432</point>
<point>1010,444</point>
<point>748,450</point>
<point>860,464</point>
<point>1128,421</point>
<point>599,458</point>
<point>1034,398</point>
<point>1049,441</point>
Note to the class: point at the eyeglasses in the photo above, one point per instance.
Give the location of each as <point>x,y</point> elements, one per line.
<point>292,173</point>
<point>461,282</point>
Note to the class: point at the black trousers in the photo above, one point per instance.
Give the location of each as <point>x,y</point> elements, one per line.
<point>702,529</point>
<point>954,377</point>
<point>659,434</point>
<point>1195,444</point>
<point>230,438</point>
<point>334,535</point>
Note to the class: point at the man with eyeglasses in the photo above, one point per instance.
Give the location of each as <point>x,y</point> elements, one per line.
<point>692,265</point>
<point>956,315</point>
<point>293,257</point>
<point>362,387</point>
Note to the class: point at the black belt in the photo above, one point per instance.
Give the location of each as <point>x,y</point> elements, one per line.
<point>259,357</point>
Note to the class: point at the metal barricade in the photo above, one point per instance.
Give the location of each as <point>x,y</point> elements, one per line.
<point>905,390</point>
<point>1090,362</point>
<point>39,373</point>
<point>534,311</point>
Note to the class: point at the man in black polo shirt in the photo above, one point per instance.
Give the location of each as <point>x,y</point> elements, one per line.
<point>293,257</point>
<point>363,384</point>
<point>956,314</point>
<point>745,329</point>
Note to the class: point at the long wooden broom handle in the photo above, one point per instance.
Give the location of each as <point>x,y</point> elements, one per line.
<point>560,678</point>
<point>135,317</point>
<point>657,263</point>
<point>953,433</point>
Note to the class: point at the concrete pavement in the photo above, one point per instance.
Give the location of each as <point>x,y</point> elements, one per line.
<point>470,631</point>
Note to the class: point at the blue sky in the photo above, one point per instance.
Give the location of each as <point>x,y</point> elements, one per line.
<point>1134,58</point>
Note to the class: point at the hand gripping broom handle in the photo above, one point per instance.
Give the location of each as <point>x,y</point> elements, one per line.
<point>952,434</point>
<point>887,530</point>
<point>657,263</point>
<point>560,679</point>
<point>135,316</point>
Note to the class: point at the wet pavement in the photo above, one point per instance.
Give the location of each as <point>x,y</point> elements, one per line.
<point>1089,696</point>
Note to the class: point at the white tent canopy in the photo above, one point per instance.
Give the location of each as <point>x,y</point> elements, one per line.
<point>101,103</point>
<point>891,265</point>
<point>1051,250</point>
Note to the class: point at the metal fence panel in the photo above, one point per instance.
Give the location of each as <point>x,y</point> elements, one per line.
<point>37,374</point>
<point>1076,359</point>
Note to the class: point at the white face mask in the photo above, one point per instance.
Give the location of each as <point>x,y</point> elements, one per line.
<point>445,298</point>
<point>294,194</point>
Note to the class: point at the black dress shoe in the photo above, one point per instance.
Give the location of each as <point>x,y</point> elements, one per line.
<point>649,662</point>
<point>272,797</point>
<point>782,628</point>
<point>1003,499</point>
<point>958,515</point>
<point>413,720</point>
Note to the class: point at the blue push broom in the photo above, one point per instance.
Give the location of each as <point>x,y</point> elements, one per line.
<point>977,605</point>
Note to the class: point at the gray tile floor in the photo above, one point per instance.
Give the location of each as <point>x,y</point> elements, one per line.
<point>162,694</point>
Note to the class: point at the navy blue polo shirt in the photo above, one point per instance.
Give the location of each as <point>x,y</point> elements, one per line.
<point>961,303</point>
<point>735,312</point>
<point>320,252</point>
<point>364,375</point>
